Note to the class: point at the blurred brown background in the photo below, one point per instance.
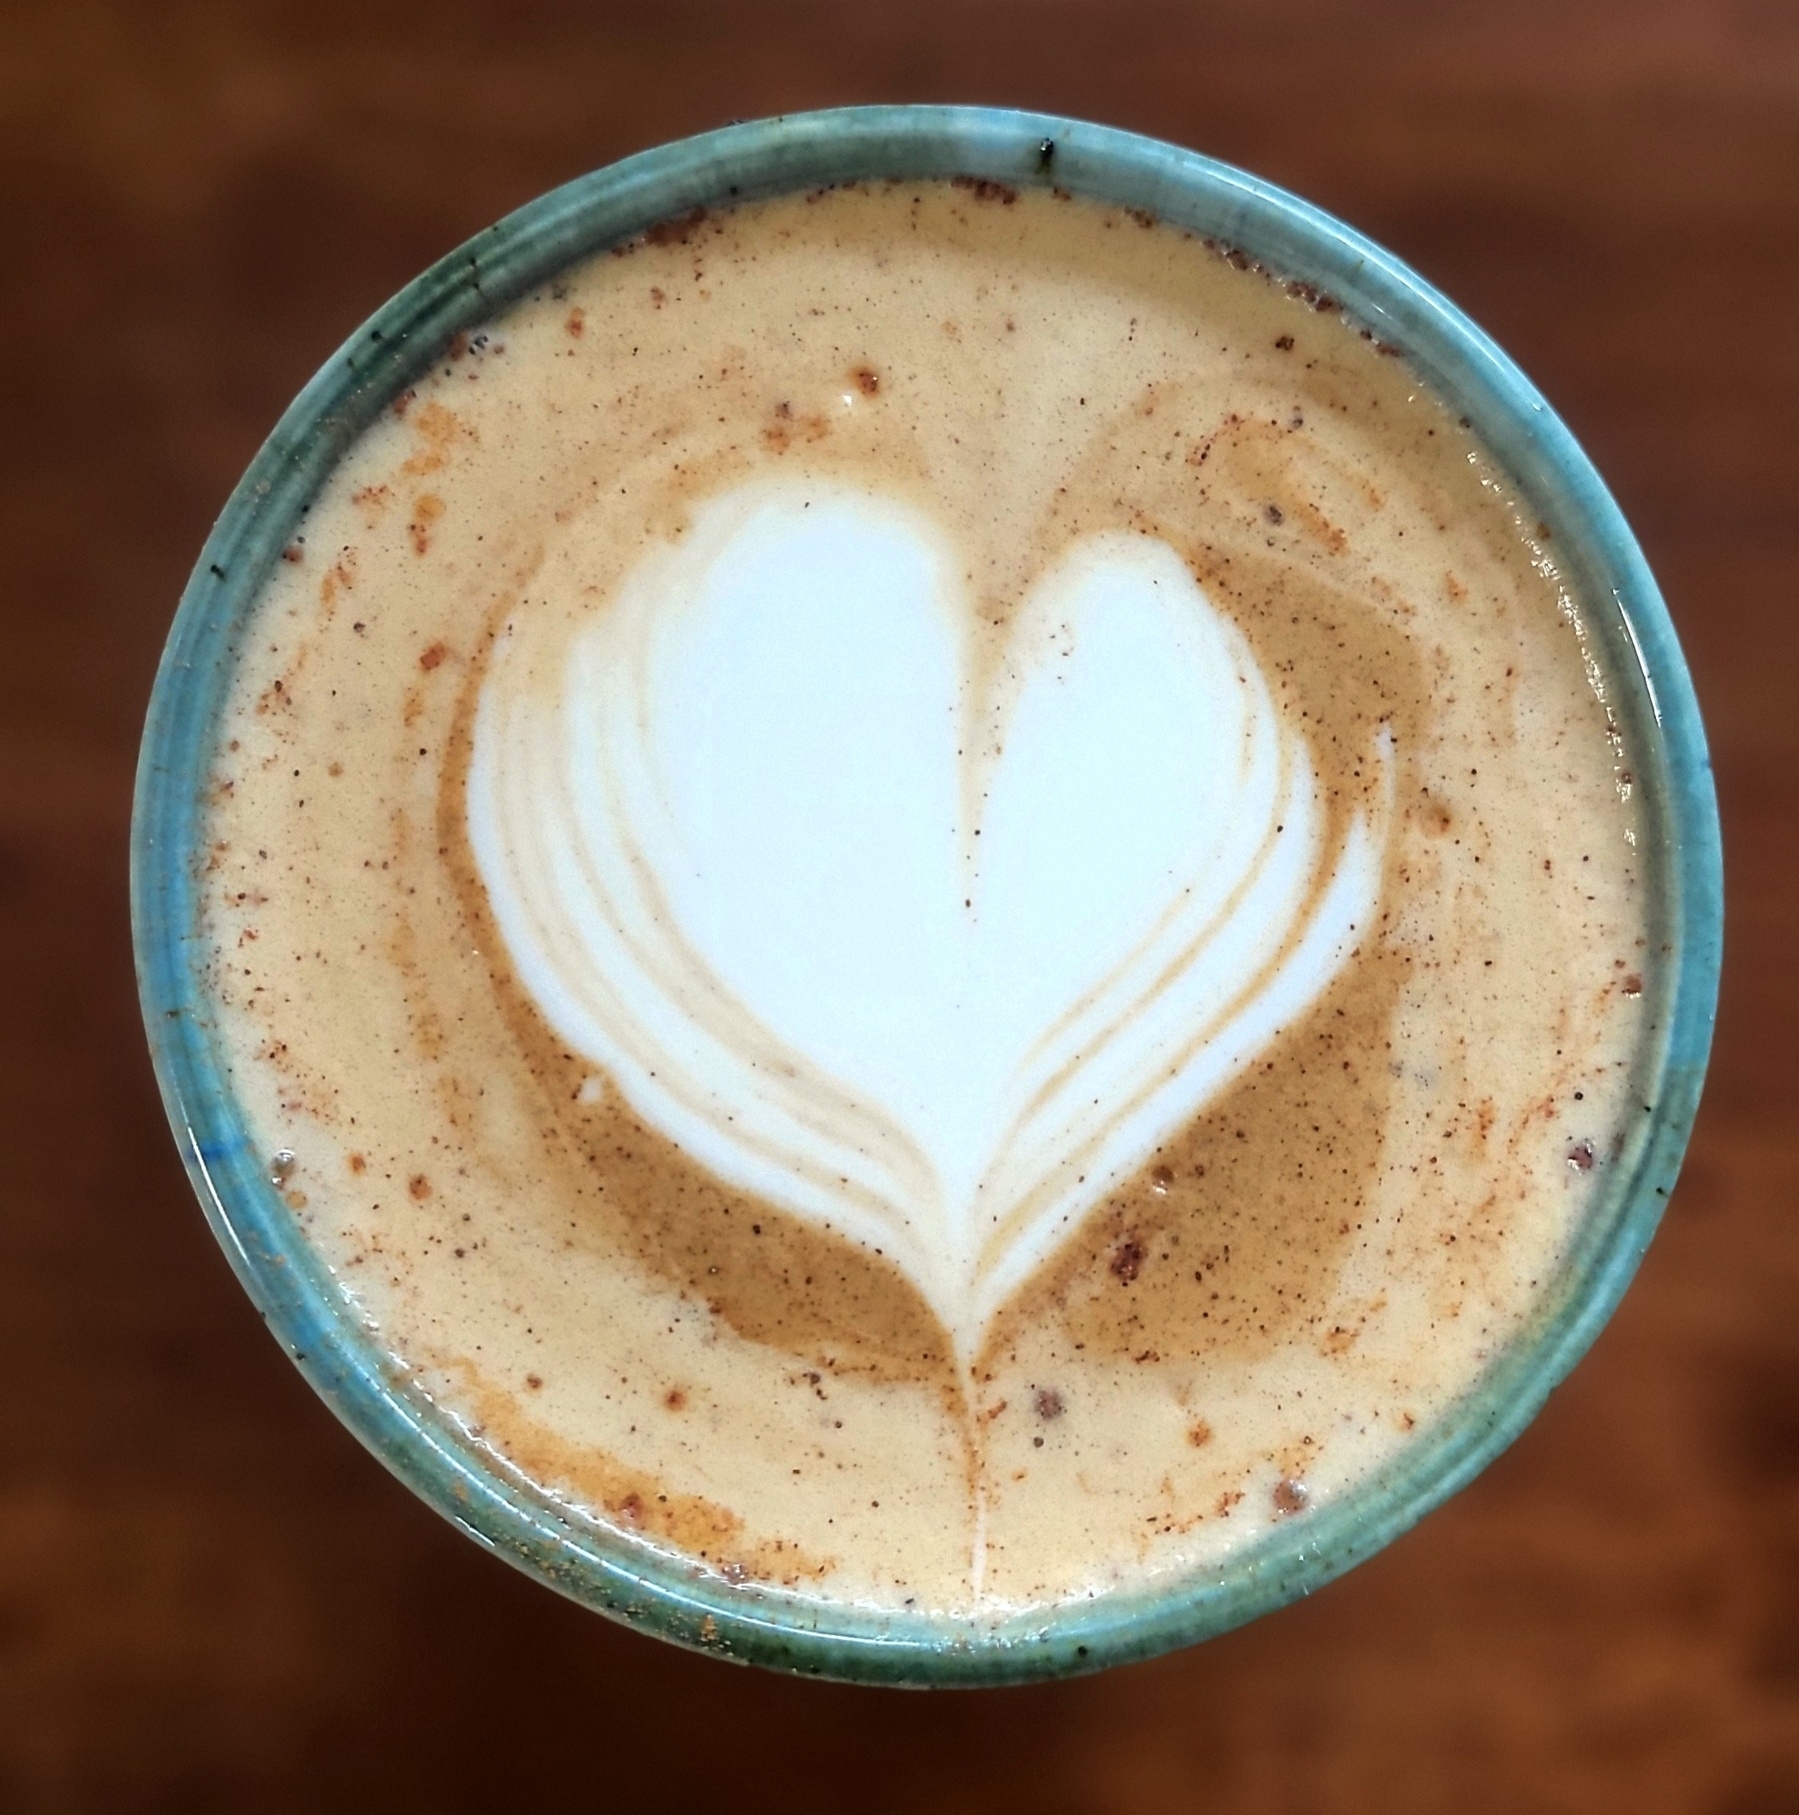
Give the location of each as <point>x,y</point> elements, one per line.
<point>210,1598</point>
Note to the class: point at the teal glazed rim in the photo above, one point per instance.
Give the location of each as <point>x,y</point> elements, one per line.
<point>1649,690</point>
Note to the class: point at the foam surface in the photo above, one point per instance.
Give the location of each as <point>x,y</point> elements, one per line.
<point>932,894</point>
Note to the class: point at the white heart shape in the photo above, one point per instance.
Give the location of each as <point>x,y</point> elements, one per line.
<point>931,970</point>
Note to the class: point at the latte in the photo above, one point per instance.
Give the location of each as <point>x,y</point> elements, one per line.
<point>928,895</point>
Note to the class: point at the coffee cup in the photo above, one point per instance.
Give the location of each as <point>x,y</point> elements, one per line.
<point>249,1193</point>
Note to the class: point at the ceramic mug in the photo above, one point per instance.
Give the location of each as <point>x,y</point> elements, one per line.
<point>610,1570</point>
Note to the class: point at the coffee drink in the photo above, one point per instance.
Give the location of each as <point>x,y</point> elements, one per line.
<point>927,893</point>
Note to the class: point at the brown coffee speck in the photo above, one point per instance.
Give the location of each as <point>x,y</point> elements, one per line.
<point>1290,1497</point>
<point>419,1186</point>
<point>983,189</point>
<point>1633,985</point>
<point>426,509</point>
<point>1433,815</point>
<point>1199,1433</point>
<point>576,324</point>
<point>674,1399</point>
<point>1127,1259</point>
<point>788,428</point>
<point>1580,1156</point>
<point>358,1163</point>
<point>1284,342</point>
<point>534,1382</point>
<point>868,380</point>
<point>433,656</point>
<point>1048,1403</point>
<point>1160,1178</point>
<point>1319,299</point>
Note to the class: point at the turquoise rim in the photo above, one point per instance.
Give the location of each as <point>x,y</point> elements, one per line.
<point>1652,696</point>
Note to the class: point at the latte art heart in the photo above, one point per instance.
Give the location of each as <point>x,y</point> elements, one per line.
<point>930,951</point>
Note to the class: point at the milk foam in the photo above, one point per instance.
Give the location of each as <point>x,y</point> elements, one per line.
<point>1313,1267</point>
<point>927,956</point>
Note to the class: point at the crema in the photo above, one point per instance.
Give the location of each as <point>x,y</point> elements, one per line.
<point>928,896</point>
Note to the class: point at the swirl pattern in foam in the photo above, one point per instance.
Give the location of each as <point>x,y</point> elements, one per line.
<point>927,958</point>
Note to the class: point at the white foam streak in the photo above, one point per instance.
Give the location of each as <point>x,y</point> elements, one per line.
<point>722,832</point>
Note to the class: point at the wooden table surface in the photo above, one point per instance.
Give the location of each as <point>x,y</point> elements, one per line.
<point>210,1598</point>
